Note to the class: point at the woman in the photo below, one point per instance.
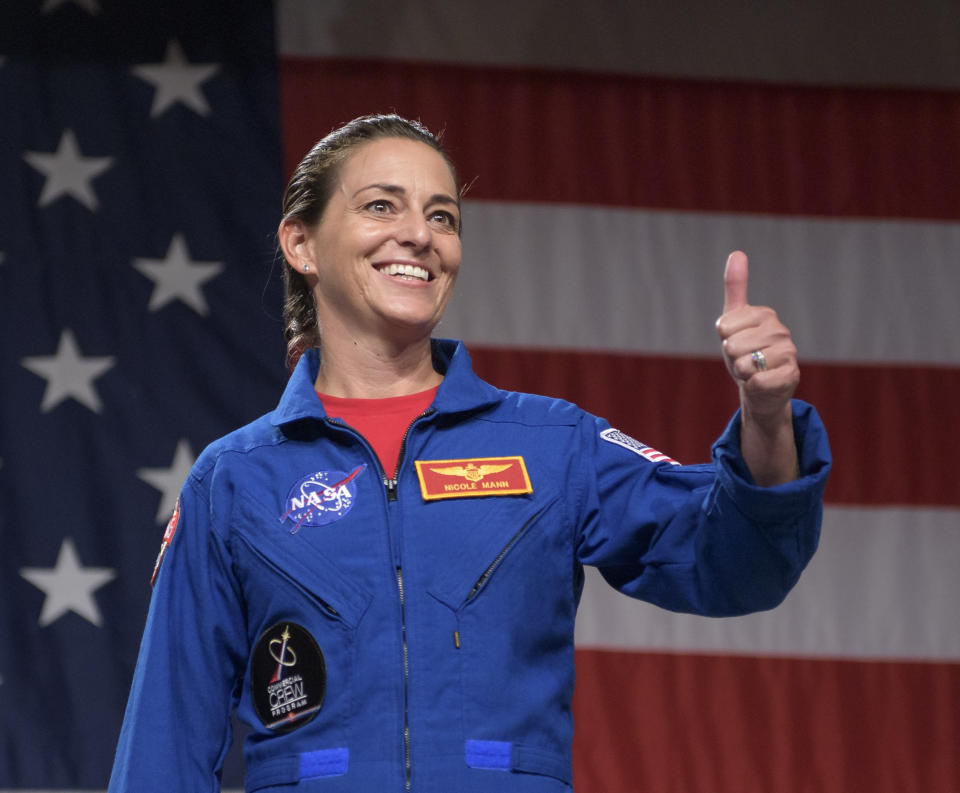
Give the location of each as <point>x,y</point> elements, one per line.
<point>382,574</point>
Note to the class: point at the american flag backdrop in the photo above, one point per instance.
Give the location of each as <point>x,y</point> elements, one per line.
<point>615,156</point>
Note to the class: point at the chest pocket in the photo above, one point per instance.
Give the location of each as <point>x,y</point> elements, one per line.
<point>512,599</point>
<point>509,528</point>
<point>284,579</point>
<point>299,564</point>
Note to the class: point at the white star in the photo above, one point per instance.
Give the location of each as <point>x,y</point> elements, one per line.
<point>178,277</point>
<point>68,172</point>
<point>170,480</point>
<point>177,80</point>
<point>68,586</point>
<point>92,7</point>
<point>69,374</point>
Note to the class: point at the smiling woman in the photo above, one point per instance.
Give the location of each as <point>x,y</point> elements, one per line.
<point>315,181</point>
<point>381,576</point>
<point>381,262</point>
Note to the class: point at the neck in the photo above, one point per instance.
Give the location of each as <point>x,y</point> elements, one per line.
<point>361,369</point>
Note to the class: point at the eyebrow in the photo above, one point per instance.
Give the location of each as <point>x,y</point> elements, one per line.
<point>436,198</point>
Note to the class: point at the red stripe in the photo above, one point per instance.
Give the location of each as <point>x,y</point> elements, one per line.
<point>530,135</point>
<point>676,723</point>
<point>892,439</point>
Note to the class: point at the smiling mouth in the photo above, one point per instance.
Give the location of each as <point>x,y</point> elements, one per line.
<point>406,272</point>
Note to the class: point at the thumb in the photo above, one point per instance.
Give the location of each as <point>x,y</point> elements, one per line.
<point>735,282</point>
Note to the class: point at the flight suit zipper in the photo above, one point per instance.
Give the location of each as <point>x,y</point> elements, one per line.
<point>393,495</point>
<point>491,568</point>
<point>478,585</point>
<point>390,484</point>
<point>408,778</point>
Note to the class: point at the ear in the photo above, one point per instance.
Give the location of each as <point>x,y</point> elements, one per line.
<point>294,237</point>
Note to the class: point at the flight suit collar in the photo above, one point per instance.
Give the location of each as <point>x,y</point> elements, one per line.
<point>461,390</point>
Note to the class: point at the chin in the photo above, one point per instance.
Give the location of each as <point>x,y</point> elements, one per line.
<point>409,323</point>
<point>412,317</point>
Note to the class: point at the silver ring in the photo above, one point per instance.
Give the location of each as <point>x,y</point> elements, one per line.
<point>759,360</point>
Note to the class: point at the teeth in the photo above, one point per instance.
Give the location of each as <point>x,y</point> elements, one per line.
<point>408,270</point>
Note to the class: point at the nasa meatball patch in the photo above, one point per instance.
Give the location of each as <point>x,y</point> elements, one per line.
<point>288,677</point>
<point>321,497</point>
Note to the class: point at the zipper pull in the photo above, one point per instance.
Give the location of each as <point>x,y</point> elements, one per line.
<point>391,485</point>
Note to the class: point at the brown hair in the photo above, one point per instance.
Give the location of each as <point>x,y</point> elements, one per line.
<point>307,195</point>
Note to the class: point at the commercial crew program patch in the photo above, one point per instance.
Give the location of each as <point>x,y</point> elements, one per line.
<point>622,439</point>
<point>288,677</point>
<point>321,498</point>
<point>470,477</point>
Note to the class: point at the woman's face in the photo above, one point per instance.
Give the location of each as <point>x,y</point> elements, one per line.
<point>386,250</point>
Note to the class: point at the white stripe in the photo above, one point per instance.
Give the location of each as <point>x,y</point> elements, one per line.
<point>639,280</point>
<point>883,585</point>
<point>894,43</point>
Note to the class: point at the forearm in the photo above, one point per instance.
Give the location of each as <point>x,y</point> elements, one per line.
<point>769,447</point>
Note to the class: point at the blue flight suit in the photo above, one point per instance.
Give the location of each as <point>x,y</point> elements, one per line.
<point>379,638</point>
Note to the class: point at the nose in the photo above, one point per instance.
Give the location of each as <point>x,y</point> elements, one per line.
<point>414,231</point>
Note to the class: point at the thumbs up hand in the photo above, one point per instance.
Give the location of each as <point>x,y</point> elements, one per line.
<point>762,358</point>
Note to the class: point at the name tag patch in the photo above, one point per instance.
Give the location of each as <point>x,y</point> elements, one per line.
<point>471,477</point>
<point>622,439</point>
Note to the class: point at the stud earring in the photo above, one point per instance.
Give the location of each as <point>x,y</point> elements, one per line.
<point>306,268</point>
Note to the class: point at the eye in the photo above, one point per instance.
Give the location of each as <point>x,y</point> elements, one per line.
<point>380,206</point>
<point>443,218</point>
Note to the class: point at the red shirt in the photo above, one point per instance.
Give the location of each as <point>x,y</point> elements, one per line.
<point>383,422</point>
